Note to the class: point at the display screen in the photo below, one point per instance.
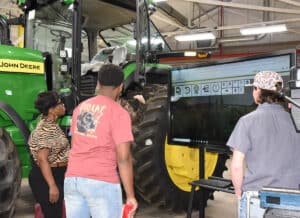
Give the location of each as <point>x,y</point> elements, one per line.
<point>206,101</point>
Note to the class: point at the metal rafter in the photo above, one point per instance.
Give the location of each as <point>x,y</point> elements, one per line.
<point>247,7</point>
<point>172,12</point>
<point>161,16</point>
<point>256,24</point>
<point>290,2</point>
<point>231,27</point>
<point>205,15</point>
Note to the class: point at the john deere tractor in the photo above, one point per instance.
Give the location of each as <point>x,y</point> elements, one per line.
<point>62,53</point>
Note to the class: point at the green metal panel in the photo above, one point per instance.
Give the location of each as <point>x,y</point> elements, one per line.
<point>68,2</point>
<point>22,77</point>
<point>21,1</point>
<point>161,66</point>
<point>19,89</point>
<point>130,68</point>
<point>65,121</point>
<point>16,53</point>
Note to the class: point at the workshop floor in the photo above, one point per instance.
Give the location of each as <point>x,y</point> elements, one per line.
<point>223,206</point>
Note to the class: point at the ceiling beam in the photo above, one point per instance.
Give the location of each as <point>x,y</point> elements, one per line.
<point>206,15</point>
<point>219,28</point>
<point>231,27</point>
<point>294,31</point>
<point>290,2</point>
<point>247,7</point>
<point>172,12</point>
<point>162,16</point>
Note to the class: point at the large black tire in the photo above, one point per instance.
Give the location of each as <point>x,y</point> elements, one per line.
<point>10,175</point>
<point>152,180</point>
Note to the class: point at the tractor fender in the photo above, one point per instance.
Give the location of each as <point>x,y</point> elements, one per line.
<point>15,117</point>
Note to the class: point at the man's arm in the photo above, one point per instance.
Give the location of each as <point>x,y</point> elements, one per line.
<point>124,160</point>
<point>237,171</point>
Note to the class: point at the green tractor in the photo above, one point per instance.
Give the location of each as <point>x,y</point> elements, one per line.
<point>61,53</point>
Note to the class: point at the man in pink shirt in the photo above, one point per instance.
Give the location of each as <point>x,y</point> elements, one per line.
<point>101,139</point>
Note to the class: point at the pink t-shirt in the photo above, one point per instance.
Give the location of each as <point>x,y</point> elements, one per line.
<point>98,125</point>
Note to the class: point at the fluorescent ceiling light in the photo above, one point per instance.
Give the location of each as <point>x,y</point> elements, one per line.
<point>195,37</point>
<point>159,1</point>
<point>263,29</point>
<point>153,41</point>
<point>190,54</point>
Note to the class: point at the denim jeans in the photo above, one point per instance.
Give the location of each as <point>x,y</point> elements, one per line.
<point>253,210</point>
<point>89,197</point>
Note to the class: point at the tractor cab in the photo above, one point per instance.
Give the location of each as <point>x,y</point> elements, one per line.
<point>77,39</point>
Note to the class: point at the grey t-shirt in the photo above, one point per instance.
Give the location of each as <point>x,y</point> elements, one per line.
<point>271,146</point>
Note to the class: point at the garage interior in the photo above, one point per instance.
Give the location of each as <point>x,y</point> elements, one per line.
<point>225,21</point>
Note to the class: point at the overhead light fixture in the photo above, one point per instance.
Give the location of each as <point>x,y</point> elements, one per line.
<point>263,29</point>
<point>190,54</point>
<point>195,37</point>
<point>153,41</point>
<point>155,1</point>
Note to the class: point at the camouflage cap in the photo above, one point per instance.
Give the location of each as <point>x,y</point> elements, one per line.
<point>267,80</point>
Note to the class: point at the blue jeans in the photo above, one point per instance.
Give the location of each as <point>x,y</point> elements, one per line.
<point>253,210</point>
<point>89,197</point>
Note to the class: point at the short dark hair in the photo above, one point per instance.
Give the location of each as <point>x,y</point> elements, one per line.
<point>110,75</point>
<point>46,100</point>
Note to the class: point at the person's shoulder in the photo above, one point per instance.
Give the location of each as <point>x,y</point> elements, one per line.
<point>46,127</point>
<point>249,115</point>
<point>120,108</point>
<point>247,118</point>
<point>91,100</point>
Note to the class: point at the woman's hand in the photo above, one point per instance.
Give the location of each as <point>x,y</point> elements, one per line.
<point>53,194</point>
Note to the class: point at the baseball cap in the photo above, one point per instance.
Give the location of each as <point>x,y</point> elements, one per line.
<point>267,80</point>
<point>110,75</point>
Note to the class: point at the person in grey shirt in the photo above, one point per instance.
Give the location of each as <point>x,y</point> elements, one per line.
<point>266,141</point>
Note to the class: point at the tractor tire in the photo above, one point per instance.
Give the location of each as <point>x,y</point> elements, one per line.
<point>152,180</point>
<point>10,175</point>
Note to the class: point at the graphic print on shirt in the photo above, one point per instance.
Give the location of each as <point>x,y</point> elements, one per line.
<point>88,118</point>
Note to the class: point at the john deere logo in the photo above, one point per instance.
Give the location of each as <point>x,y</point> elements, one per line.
<point>7,65</point>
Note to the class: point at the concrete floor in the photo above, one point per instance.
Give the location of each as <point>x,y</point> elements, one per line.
<point>223,206</point>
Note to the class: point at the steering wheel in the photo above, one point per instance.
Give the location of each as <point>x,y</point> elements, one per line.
<point>61,33</point>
